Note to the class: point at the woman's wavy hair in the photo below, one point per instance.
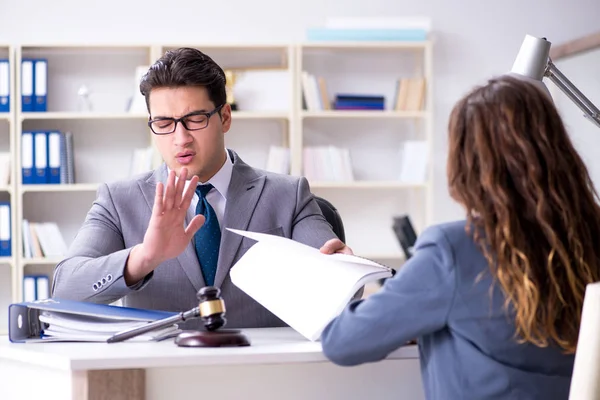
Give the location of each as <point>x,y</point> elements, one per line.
<point>531,205</point>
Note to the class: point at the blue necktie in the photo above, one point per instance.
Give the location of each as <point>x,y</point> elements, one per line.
<point>208,238</point>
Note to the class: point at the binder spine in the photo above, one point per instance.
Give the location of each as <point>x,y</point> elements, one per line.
<point>27,157</point>
<point>41,157</point>
<point>27,85</point>
<point>40,85</point>
<point>4,86</point>
<point>23,323</point>
<point>5,230</point>
<point>54,157</point>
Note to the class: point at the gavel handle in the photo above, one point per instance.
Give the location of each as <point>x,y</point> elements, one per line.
<point>161,323</point>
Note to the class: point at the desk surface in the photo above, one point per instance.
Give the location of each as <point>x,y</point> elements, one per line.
<point>268,346</point>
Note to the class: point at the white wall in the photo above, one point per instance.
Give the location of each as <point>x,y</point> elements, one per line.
<point>474,38</point>
<point>582,70</point>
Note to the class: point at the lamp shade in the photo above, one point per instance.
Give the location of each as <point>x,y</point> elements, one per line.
<point>532,58</point>
<point>532,61</point>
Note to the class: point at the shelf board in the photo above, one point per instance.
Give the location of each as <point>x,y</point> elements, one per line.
<point>359,45</point>
<point>81,115</point>
<point>366,185</point>
<point>6,189</point>
<point>121,116</point>
<point>260,115</point>
<point>364,114</point>
<point>40,261</point>
<point>5,116</point>
<point>6,260</point>
<point>77,187</point>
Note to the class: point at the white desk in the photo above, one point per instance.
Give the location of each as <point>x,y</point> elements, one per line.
<point>279,364</point>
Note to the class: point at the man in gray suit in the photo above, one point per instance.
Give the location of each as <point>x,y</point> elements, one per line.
<point>154,241</point>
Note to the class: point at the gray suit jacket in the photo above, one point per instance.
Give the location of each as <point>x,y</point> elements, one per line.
<point>466,339</point>
<point>257,201</point>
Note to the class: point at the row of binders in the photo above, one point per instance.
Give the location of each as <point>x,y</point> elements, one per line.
<point>5,230</point>
<point>34,85</point>
<point>36,287</point>
<point>47,157</point>
<point>4,85</point>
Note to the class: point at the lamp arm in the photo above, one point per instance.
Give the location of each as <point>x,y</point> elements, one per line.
<point>589,109</point>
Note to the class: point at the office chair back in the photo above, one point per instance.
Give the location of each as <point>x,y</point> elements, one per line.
<point>332,216</point>
<point>585,381</point>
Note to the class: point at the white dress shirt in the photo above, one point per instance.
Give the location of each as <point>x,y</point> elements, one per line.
<point>217,197</point>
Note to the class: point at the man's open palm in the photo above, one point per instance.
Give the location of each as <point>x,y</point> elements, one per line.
<point>167,237</point>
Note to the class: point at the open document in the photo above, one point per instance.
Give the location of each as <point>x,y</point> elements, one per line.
<point>302,286</point>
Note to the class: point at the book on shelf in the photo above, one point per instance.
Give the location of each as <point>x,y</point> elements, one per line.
<point>327,163</point>
<point>42,239</point>
<point>302,286</point>
<point>278,160</point>
<point>409,94</point>
<point>359,102</point>
<point>57,320</point>
<point>414,157</point>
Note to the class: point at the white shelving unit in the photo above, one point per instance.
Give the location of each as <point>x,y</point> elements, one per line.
<point>374,138</point>
<point>8,266</point>
<point>103,137</point>
<point>268,92</point>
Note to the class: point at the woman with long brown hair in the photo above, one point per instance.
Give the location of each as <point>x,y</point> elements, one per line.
<point>494,300</point>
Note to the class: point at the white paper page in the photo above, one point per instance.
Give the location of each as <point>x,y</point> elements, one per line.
<point>80,323</point>
<point>305,292</point>
<point>301,248</point>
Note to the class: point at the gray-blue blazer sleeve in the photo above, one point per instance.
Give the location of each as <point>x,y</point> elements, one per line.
<point>95,262</point>
<point>416,301</point>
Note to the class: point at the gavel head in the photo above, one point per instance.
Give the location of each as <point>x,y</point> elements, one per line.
<point>212,308</point>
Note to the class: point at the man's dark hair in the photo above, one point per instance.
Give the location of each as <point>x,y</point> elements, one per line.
<point>185,67</point>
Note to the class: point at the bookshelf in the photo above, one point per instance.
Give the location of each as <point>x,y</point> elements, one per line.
<point>373,138</point>
<point>103,136</point>
<point>268,92</point>
<point>8,265</point>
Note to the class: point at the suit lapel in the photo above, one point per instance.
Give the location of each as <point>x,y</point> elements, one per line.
<point>242,196</point>
<point>188,259</point>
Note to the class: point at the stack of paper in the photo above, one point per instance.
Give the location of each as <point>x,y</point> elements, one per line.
<point>53,320</point>
<point>302,286</point>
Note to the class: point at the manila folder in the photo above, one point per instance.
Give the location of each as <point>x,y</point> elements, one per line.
<point>302,286</point>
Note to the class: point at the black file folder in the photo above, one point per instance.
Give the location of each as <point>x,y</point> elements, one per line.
<point>405,233</point>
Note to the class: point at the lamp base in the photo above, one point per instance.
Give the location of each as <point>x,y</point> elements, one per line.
<point>220,338</point>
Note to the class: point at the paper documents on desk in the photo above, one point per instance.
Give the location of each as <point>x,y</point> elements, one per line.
<point>53,320</point>
<point>302,286</point>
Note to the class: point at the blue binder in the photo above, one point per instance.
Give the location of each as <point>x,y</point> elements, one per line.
<point>27,158</point>
<point>4,86</point>
<point>27,85</point>
<point>40,157</point>
<point>54,157</point>
<point>5,230</point>
<point>40,79</point>
<point>24,324</point>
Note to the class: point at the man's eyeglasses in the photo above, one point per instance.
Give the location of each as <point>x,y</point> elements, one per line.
<point>193,121</point>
